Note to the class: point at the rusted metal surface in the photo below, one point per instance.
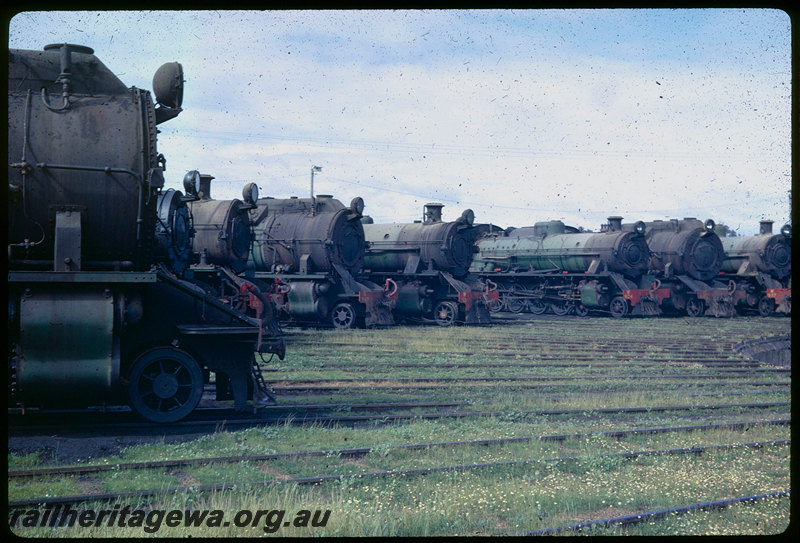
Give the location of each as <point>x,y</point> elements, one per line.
<point>684,247</point>
<point>428,264</point>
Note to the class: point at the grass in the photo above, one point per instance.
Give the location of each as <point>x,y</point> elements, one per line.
<point>530,495</point>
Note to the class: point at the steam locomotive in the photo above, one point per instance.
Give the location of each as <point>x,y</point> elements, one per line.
<point>101,309</point>
<point>308,252</point>
<point>552,266</point>
<point>427,263</point>
<point>761,267</point>
<point>686,259</point>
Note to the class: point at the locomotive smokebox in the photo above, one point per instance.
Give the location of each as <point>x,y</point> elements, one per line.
<point>307,235</point>
<point>222,228</point>
<point>685,247</point>
<point>766,253</point>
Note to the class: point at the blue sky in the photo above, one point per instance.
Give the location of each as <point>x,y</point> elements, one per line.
<point>520,115</point>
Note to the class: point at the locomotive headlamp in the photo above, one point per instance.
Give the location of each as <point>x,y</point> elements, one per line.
<point>709,224</point>
<point>250,193</point>
<point>639,227</point>
<point>786,230</point>
<point>191,182</point>
<point>357,205</point>
<point>168,85</point>
<point>468,216</point>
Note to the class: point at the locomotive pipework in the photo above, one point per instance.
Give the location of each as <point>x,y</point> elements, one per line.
<point>100,308</point>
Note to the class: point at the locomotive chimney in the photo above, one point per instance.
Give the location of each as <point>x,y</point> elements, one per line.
<point>765,227</point>
<point>615,223</point>
<point>205,186</point>
<point>432,213</point>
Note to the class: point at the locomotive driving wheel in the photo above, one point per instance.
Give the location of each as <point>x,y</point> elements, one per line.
<point>537,306</point>
<point>514,302</point>
<point>343,316</point>
<point>618,307</point>
<point>766,306</point>
<point>559,308</point>
<point>694,307</point>
<point>446,313</point>
<point>166,384</point>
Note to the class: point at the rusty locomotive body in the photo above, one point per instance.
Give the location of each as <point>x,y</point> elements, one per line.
<point>683,273</point>
<point>760,267</point>
<point>426,264</point>
<point>100,309</point>
<point>308,252</point>
<point>559,268</point>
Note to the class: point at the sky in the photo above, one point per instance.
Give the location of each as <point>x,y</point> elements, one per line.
<point>519,115</point>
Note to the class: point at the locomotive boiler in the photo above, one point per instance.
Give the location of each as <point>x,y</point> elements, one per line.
<point>428,263</point>
<point>98,311</point>
<point>761,267</point>
<point>310,250</point>
<point>558,267</point>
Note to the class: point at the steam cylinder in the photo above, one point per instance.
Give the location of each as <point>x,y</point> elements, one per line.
<point>550,246</point>
<point>87,145</point>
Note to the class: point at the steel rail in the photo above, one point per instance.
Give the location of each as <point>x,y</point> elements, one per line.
<point>628,520</point>
<point>362,451</point>
<point>313,480</point>
<point>508,378</point>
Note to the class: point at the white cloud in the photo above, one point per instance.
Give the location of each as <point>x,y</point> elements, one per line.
<point>523,116</point>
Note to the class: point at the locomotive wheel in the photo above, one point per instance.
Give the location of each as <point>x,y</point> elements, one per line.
<point>343,316</point>
<point>495,305</point>
<point>514,303</point>
<point>166,384</point>
<point>581,310</point>
<point>537,306</point>
<point>559,308</point>
<point>446,313</point>
<point>618,307</point>
<point>695,307</point>
<point>766,306</point>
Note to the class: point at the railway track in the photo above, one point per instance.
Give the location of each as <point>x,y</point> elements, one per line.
<point>591,396</point>
<point>319,479</point>
<point>647,516</point>
<point>362,451</point>
<point>199,427</point>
